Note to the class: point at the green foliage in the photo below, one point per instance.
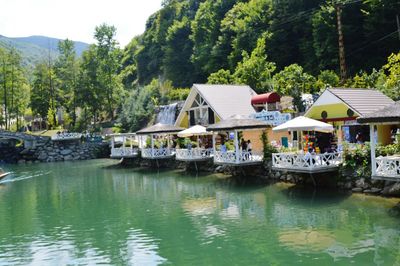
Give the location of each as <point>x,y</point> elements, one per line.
<point>268,149</point>
<point>392,85</point>
<point>178,94</point>
<point>255,70</point>
<point>293,81</point>
<point>51,119</point>
<point>326,79</point>
<point>222,76</point>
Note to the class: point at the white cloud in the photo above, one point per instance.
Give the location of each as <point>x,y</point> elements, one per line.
<point>74,19</point>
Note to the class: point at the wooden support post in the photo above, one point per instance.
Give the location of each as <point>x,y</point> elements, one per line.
<point>152,145</point>
<point>237,152</point>
<point>112,142</point>
<point>372,144</point>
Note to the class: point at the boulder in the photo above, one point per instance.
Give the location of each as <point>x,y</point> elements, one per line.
<point>68,158</point>
<point>361,183</point>
<point>21,161</point>
<point>357,189</point>
<point>65,152</point>
<point>394,190</point>
<point>42,156</point>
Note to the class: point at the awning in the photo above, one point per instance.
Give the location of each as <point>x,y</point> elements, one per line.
<point>302,123</point>
<point>270,97</point>
<point>193,131</point>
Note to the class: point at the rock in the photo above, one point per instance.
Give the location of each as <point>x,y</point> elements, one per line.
<point>65,152</point>
<point>375,190</point>
<point>361,183</point>
<point>50,159</point>
<point>348,185</point>
<point>25,152</point>
<point>21,161</point>
<point>357,189</point>
<point>42,156</point>
<point>68,158</point>
<point>395,190</point>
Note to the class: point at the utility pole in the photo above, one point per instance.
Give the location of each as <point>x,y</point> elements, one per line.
<point>342,59</point>
<point>398,25</point>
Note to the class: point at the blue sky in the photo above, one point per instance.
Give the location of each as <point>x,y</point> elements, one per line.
<point>75,19</point>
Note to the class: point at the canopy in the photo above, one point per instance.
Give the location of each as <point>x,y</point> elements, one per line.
<point>193,131</point>
<point>302,123</point>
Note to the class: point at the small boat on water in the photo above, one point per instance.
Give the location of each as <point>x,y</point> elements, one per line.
<point>3,174</point>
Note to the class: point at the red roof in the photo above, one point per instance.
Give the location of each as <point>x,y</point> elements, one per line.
<point>270,97</point>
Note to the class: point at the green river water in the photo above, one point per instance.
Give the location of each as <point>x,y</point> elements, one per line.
<point>90,212</point>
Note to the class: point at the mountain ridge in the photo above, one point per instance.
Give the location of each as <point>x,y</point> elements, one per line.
<point>35,48</point>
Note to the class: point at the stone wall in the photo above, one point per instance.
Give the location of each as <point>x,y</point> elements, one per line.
<point>53,151</point>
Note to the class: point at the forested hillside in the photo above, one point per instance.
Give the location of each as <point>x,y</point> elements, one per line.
<point>188,40</point>
<point>34,49</point>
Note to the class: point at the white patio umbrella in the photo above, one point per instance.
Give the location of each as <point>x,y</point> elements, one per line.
<point>194,131</point>
<point>302,123</point>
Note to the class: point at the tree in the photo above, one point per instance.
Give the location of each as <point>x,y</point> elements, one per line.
<point>392,85</point>
<point>255,70</point>
<point>222,76</point>
<point>178,50</point>
<point>108,53</point>
<point>327,78</point>
<point>66,71</point>
<point>293,81</point>
<point>40,96</point>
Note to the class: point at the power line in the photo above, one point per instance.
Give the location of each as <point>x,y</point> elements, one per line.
<point>371,43</point>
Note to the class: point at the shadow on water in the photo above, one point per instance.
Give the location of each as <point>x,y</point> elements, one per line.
<point>395,211</point>
<point>316,196</point>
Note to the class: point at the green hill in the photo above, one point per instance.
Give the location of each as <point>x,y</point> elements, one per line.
<point>36,48</point>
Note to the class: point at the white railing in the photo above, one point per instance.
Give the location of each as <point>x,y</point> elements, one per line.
<point>193,154</point>
<point>124,152</point>
<point>299,161</point>
<point>66,136</point>
<point>157,153</point>
<point>243,157</point>
<point>388,166</point>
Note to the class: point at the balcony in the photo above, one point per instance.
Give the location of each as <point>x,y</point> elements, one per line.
<point>238,158</point>
<point>306,163</point>
<point>124,152</point>
<point>193,155</point>
<point>162,153</point>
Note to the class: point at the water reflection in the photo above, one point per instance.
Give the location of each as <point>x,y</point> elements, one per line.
<point>84,213</point>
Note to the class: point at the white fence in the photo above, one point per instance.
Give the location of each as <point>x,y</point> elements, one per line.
<point>388,166</point>
<point>124,152</point>
<point>193,154</point>
<point>157,153</point>
<point>244,157</point>
<point>308,162</point>
<point>66,136</point>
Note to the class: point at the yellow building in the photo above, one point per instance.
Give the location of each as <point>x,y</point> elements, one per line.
<point>342,106</point>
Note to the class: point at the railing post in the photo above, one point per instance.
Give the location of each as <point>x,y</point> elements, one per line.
<point>237,152</point>
<point>372,146</point>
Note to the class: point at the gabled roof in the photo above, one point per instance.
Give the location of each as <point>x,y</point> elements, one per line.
<point>363,101</point>
<point>387,114</point>
<point>224,100</point>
